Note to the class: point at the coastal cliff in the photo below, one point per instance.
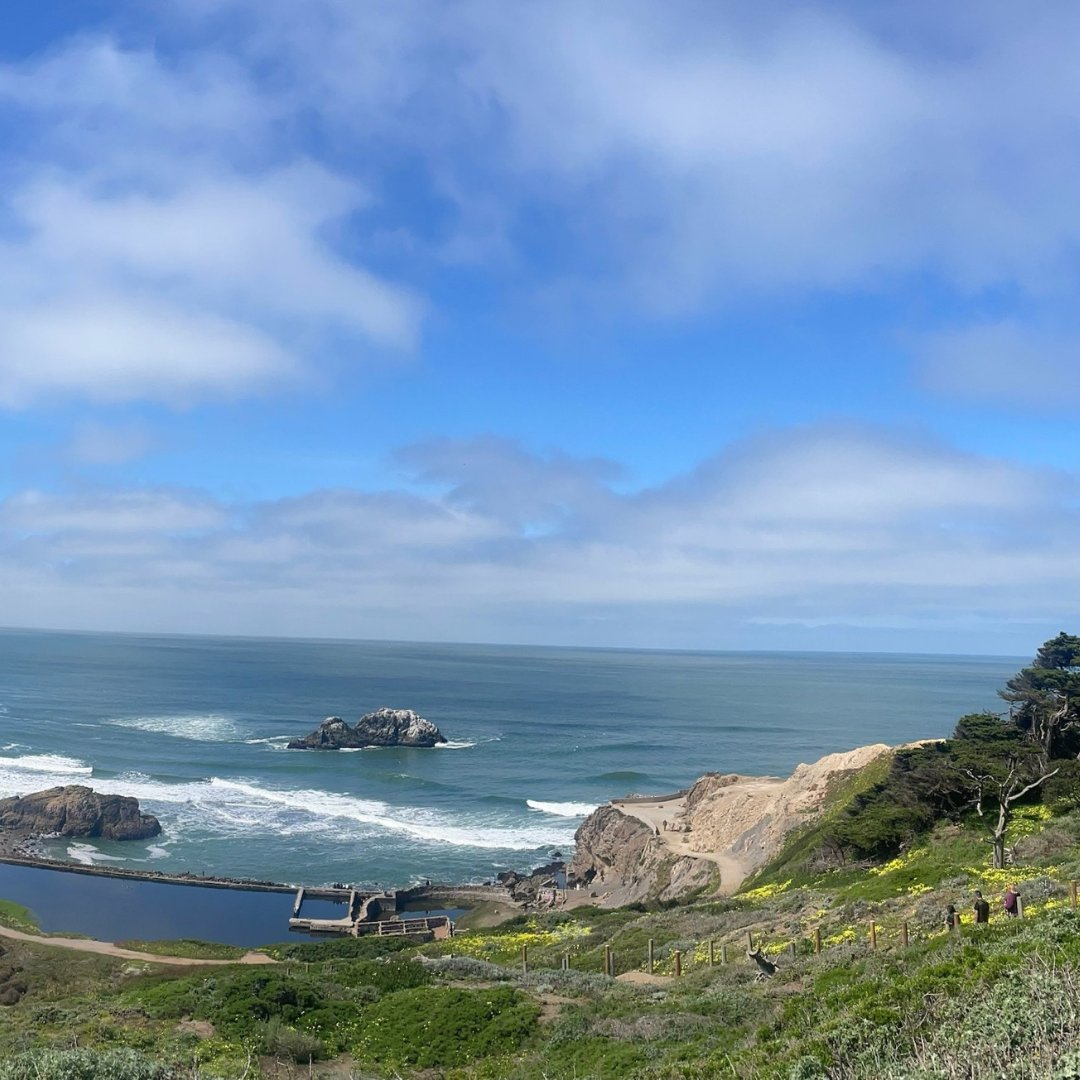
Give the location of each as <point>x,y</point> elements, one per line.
<point>714,835</point>
<point>623,859</point>
<point>76,811</point>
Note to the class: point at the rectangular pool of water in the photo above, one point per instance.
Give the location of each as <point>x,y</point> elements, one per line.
<point>118,909</point>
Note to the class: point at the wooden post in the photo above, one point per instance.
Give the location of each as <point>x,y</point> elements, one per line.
<point>678,964</point>
<point>566,961</point>
<point>791,949</point>
<point>1072,894</point>
<point>1019,906</point>
<point>904,934</point>
<point>956,924</point>
<point>607,960</point>
<point>749,940</point>
<point>723,953</point>
<point>652,966</point>
<point>525,959</point>
<point>712,954</point>
<point>817,940</point>
<point>873,934</point>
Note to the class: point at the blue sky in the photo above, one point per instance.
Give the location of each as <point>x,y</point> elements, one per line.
<point>690,325</point>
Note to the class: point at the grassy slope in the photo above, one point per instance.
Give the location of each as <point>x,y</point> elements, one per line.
<point>1007,999</point>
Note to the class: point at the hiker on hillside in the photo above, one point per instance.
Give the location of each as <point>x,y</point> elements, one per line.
<point>1011,901</point>
<point>982,908</point>
<point>952,917</point>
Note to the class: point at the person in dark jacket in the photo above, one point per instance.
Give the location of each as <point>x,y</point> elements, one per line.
<point>982,908</point>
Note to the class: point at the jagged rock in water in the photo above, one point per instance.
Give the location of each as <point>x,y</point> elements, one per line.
<point>383,727</point>
<point>77,811</point>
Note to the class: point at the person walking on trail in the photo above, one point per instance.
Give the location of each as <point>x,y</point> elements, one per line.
<point>952,917</point>
<point>1011,901</point>
<point>982,908</point>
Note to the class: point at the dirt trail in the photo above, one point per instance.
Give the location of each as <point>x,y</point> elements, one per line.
<point>732,871</point>
<point>106,948</point>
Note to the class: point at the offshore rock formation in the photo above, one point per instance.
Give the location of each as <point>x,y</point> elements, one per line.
<point>725,826</point>
<point>383,727</point>
<point>77,811</point>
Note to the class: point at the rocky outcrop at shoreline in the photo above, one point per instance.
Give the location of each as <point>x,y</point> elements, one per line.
<point>717,833</point>
<point>76,811</point>
<point>383,727</point>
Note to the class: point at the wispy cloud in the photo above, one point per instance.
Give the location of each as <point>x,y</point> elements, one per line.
<point>1006,363</point>
<point>162,244</point>
<point>818,524</point>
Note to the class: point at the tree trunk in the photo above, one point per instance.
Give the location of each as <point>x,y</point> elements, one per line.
<point>999,835</point>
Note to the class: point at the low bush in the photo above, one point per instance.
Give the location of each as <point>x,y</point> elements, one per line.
<point>439,1027</point>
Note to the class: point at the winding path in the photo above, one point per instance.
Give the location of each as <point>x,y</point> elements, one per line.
<point>654,813</point>
<point>106,948</point>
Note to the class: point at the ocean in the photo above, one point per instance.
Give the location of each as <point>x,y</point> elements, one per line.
<point>196,728</point>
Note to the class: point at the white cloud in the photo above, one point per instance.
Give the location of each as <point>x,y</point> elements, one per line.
<point>158,248</point>
<point>700,151</point>
<point>823,525</point>
<point>1004,362</point>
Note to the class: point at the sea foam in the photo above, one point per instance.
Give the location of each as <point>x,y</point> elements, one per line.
<point>562,809</point>
<point>205,727</point>
<point>50,765</point>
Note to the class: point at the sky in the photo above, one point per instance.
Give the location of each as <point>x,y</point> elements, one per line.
<point>693,325</point>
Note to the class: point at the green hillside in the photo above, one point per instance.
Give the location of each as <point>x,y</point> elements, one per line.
<point>895,846</point>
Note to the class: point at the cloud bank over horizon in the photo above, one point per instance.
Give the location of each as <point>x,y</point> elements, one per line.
<point>557,322</point>
<point>812,528</point>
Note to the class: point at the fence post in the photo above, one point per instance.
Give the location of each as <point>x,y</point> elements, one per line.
<point>817,940</point>
<point>873,934</point>
<point>1072,894</point>
<point>712,953</point>
<point>791,949</point>
<point>1019,906</point>
<point>566,961</point>
<point>750,940</point>
<point>904,934</point>
<point>608,966</point>
<point>723,952</point>
<point>678,964</point>
<point>525,959</point>
<point>956,924</point>
<point>651,961</point>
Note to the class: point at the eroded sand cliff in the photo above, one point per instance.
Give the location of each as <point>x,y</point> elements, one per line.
<point>714,835</point>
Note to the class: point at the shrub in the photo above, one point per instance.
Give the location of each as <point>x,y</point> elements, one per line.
<point>120,1064</point>
<point>441,1027</point>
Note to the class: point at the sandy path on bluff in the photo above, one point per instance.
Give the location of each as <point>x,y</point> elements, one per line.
<point>105,948</point>
<point>654,813</point>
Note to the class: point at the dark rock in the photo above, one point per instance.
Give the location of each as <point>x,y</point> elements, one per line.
<point>77,811</point>
<point>383,727</point>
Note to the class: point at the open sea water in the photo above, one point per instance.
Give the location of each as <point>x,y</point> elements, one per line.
<point>196,729</point>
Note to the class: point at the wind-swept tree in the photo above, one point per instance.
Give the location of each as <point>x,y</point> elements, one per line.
<point>1044,699</point>
<point>1002,766</point>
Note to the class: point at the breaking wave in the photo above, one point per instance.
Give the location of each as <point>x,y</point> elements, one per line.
<point>562,809</point>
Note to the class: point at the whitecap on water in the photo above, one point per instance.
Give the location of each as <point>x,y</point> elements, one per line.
<point>454,744</point>
<point>275,742</point>
<point>199,727</point>
<point>49,764</point>
<point>89,855</point>
<point>561,809</point>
